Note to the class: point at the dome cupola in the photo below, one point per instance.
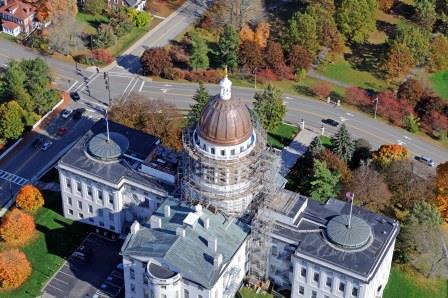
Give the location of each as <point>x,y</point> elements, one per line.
<point>225,121</point>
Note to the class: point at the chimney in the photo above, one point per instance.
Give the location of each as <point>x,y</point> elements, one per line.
<point>217,260</point>
<point>213,243</point>
<point>198,209</point>
<point>155,222</point>
<point>167,211</point>
<point>135,227</point>
<point>180,232</point>
<point>206,222</point>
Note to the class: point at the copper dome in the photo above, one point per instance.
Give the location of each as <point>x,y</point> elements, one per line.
<point>225,122</point>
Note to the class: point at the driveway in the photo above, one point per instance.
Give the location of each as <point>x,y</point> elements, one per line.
<point>97,276</point>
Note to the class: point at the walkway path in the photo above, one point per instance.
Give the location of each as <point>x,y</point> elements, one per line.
<point>312,73</point>
<point>297,148</point>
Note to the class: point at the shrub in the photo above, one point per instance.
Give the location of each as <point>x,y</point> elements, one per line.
<point>103,56</point>
<point>17,227</point>
<point>156,61</point>
<point>206,76</point>
<point>392,109</point>
<point>14,269</point>
<point>357,96</point>
<point>29,198</point>
<point>266,75</point>
<point>321,89</point>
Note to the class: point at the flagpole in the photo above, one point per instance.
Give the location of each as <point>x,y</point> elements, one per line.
<point>352,197</point>
<point>107,127</point>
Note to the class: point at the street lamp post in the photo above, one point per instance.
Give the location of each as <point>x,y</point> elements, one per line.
<point>376,106</point>
<point>255,77</point>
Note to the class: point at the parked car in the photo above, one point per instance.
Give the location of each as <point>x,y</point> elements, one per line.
<point>37,142</point>
<point>75,96</point>
<point>85,250</point>
<point>78,113</point>
<point>46,145</point>
<point>62,131</point>
<point>426,160</point>
<point>330,122</point>
<point>66,113</point>
<point>80,256</point>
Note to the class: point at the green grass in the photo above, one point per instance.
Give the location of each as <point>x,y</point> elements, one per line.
<point>250,293</point>
<point>57,238</point>
<point>282,136</point>
<point>91,22</point>
<point>341,70</point>
<point>439,82</point>
<point>407,285</point>
<point>8,37</point>
<point>326,141</point>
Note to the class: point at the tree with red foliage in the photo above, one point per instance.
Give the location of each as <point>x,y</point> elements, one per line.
<point>275,60</point>
<point>392,109</point>
<point>299,58</point>
<point>322,89</point>
<point>411,91</point>
<point>156,62</point>
<point>336,163</point>
<point>358,97</point>
<point>14,269</point>
<point>29,198</point>
<point>435,122</point>
<point>250,56</point>
<point>103,55</point>
<point>266,75</point>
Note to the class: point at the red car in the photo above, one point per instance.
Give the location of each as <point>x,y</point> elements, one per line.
<point>62,131</point>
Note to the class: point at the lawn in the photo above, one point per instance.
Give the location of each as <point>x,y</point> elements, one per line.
<point>250,293</point>
<point>282,136</point>
<point>408,285</point>
<point>341,70</point>
<point>439,81</point>
<point>57,238</point>
<point>326,141</point>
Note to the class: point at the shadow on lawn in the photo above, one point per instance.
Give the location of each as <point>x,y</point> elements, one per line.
<point>367,57</point>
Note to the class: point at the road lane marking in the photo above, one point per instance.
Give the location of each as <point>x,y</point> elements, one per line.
<point>141,86</point>
<point>125,89</point>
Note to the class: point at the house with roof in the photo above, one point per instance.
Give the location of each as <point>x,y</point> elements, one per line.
<point>185,251</point>
<point>17,17</point>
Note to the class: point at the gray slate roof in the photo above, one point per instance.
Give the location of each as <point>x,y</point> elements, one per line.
<point>309,234</point>
<point>190,254</point>
<point>140,146</point>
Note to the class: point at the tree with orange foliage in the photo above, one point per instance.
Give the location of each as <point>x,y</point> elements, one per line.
<point>442,189</point>
<point>247,34</point>
<point>14,269</point>
<point>322,89</point>
<point>48,9</point>
<point>386,154</point>
<point>17,227</point>
<point>29,198</point>
<point>262,34</point>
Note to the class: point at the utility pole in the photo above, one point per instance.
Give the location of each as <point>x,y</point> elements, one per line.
<point>376,107</point>
<point>107,82</point>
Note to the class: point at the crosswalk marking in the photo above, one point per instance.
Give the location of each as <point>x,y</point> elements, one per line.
<point>13,178</point>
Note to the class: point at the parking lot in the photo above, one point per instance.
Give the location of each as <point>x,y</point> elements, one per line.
<point>96,276</point>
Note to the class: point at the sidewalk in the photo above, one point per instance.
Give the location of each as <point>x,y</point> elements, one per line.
<point>297,148</point>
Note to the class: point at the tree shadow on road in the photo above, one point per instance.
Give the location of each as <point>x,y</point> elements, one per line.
<point>130,62</point>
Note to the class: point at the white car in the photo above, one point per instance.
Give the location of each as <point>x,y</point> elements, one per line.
<point>66,113</point>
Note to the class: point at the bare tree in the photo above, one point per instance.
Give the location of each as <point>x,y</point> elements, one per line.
<point>238,12</point>
<point>64,35</point>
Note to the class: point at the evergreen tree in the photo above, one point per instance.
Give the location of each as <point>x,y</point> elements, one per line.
<point>315,146</point>
<point>229,44</point>
<point>201,98</point>
<point>105,37</point>
<point>269,107</point>
<point>199,52</point>
<point>356,19</point>
<point>302,30</point>
<point>343,144</point>
<point>415,38</point>
<point>11,124</point>
<point>324,183</point>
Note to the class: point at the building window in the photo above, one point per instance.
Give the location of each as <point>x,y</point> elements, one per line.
<point>69,201</point>
<point>91,219</point>
<point>70,211</point>
<point>81,215</point>
<point>90,209</point>
<point>199,296</point>
<point>301,290</point>
<point>303,272</point>
<point>223,152</point>
<point>163,296</point>
<point>67,183</point>
<point>379,288</point>
<point>145,280</point>
<point>328,282</point>
<point>101,224</point>
<point>163,287</point>
<point>100,212</point>
<point>313,294</point>
<point>79,205</point>
<point>274,250</point>
<point>132,273</point>
<point>355,292</point>
<point>111,199</point>
<point>186,294</point>
<point>316,277</point>
<point>132,288</point>
<point>112,228</point>
<point>89,191</point>
<point>78,186</point>
<point>213,150</point>
<point>100,195</point>
<point>341,286</point>
<point>232,152</point>
<point>145,294</point>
